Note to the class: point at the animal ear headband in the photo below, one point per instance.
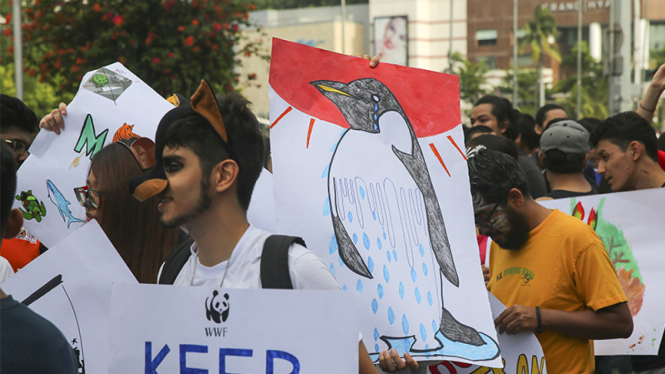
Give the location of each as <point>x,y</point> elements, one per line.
<point>203,103</point>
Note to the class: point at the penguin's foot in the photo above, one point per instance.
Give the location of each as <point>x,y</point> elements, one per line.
<point>458,332</point>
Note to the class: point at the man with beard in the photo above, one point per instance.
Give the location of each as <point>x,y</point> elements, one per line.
<point>208,158</point>
<point>550,269</point>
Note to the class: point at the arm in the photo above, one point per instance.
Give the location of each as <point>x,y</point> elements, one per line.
<point>54,121</point>
<point>649,102</point>
<point>611,322</point>
<point>365,363</point>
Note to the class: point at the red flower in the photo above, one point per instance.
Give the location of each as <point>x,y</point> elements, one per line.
<point>75,68</point>
<point>107,16</point>
<point>151,36</point>
<point>80,61</point>
<point>118,20</point>
<point>167,72</point>
<point>196,49</point>
<point>58,64</point>
<point>195,22</point>
<point>96,7</point>
<point>216,26</point>
<point>181,28</point>
<point>170,55</point>
<point>8,18</point>
<point>189,41</point>
<point>156,60</point>
<point>8,31</point>
<point>234,27</point>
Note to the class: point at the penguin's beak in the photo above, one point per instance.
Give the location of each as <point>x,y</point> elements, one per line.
<point>354,108</point>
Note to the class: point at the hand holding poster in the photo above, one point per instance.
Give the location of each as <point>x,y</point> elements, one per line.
<point>111,104</point>
<point>70,285</point>
<point>200,329</point>
<point>630,225</point>
<point>369,170</point>
<point>521,353</point>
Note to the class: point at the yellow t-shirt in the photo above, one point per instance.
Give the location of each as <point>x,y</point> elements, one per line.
<point>563,266</point>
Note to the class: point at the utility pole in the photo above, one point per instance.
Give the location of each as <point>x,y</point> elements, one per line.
<point>579,59</point>
<point>450,50</point>
<point>344,27</point>
<point>515,53</point>
<point>18,50</point>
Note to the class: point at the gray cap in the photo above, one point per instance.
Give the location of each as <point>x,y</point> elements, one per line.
<point>567,136</point>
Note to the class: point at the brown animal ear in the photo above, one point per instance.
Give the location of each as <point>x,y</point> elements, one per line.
<point>143,150</point>
<point>203,102</point>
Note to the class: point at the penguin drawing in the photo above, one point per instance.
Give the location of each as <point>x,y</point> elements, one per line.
<point>391,181</point>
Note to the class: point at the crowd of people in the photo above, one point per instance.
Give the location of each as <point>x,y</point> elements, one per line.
<point>199,174</point>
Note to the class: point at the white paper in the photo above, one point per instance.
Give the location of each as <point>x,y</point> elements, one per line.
<point>118,104</point>
<point>521,353</point>
<point>79,271</point>
<point>631,226</point>
<point>383,211</point>
<point>196,326</point>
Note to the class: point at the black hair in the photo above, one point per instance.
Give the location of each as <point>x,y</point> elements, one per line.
<point>8,184</point>
<point>622,129</point>
<point>560,162</point>
<point>589,123</point>
<point>503,110</point>
<point>245,142</point>
<point>493,174</point>
<point>661,142</point>
<point>525,126</point>
<point>497,143</point>
<point>469,132</point>
<point>14,113</point>
<point>542,112</point>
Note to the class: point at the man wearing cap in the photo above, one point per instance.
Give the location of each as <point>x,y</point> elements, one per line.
<point>563,153</point>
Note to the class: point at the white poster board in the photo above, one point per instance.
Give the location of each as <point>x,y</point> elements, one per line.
<point>112,103</point>
<point>631,227</point>
<point>70,285</point>
<point>384,203</point>
<point>169,329</point>
<point>521,353</point>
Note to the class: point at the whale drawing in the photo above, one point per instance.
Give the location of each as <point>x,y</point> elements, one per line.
<point>59,201</point>
<point>388,190</point>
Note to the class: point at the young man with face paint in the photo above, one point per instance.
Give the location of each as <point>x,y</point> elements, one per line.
<point>208,158</point>
<point>550,269</point>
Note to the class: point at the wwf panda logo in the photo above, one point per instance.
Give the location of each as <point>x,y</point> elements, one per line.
<point>217,307</point>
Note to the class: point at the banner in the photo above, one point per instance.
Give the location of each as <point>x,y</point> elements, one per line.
<point>630,225</point>
<point>369,169</point>
<point>70,285</point>
<point>169,329</point>
<point>111,104</point>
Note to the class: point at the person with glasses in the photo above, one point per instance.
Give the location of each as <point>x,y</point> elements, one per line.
<point>18,125</point>
<point>550,269</point>
<point>133,228</point>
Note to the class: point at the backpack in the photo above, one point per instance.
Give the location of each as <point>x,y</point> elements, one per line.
<point>274,262</point>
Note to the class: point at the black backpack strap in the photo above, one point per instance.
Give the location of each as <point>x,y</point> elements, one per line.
<point>176,260</point>
<point>275,261</point>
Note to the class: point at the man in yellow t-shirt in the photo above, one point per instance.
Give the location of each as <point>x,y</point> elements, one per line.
<point>551,270</point>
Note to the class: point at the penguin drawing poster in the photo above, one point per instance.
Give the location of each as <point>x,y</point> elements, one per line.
<point>369,168</point>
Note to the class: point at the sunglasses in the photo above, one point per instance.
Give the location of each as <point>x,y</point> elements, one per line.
<point>18,146</point>
<point>486,222</point>
<point>85,198</point>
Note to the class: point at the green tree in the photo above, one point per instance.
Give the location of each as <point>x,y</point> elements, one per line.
<point>289,4</point>
<point>471,78</point>
<point>527,89</point>
<point>169,44</point>
<point>537,34</point>
<point>594,91</point>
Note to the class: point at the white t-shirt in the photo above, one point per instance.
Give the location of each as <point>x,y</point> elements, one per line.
<point>6,270</point>
<point>307,270</point>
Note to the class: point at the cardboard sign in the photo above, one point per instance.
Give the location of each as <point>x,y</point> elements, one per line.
<point>111,104</point>
<point>369,170</point>
<point>70,285</point>
<point>630,225</point>
<point>169,329</point>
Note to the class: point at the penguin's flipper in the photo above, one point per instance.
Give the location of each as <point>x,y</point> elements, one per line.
<point>348,251</point>
<point>437,230</point>
<point>458,332</point>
